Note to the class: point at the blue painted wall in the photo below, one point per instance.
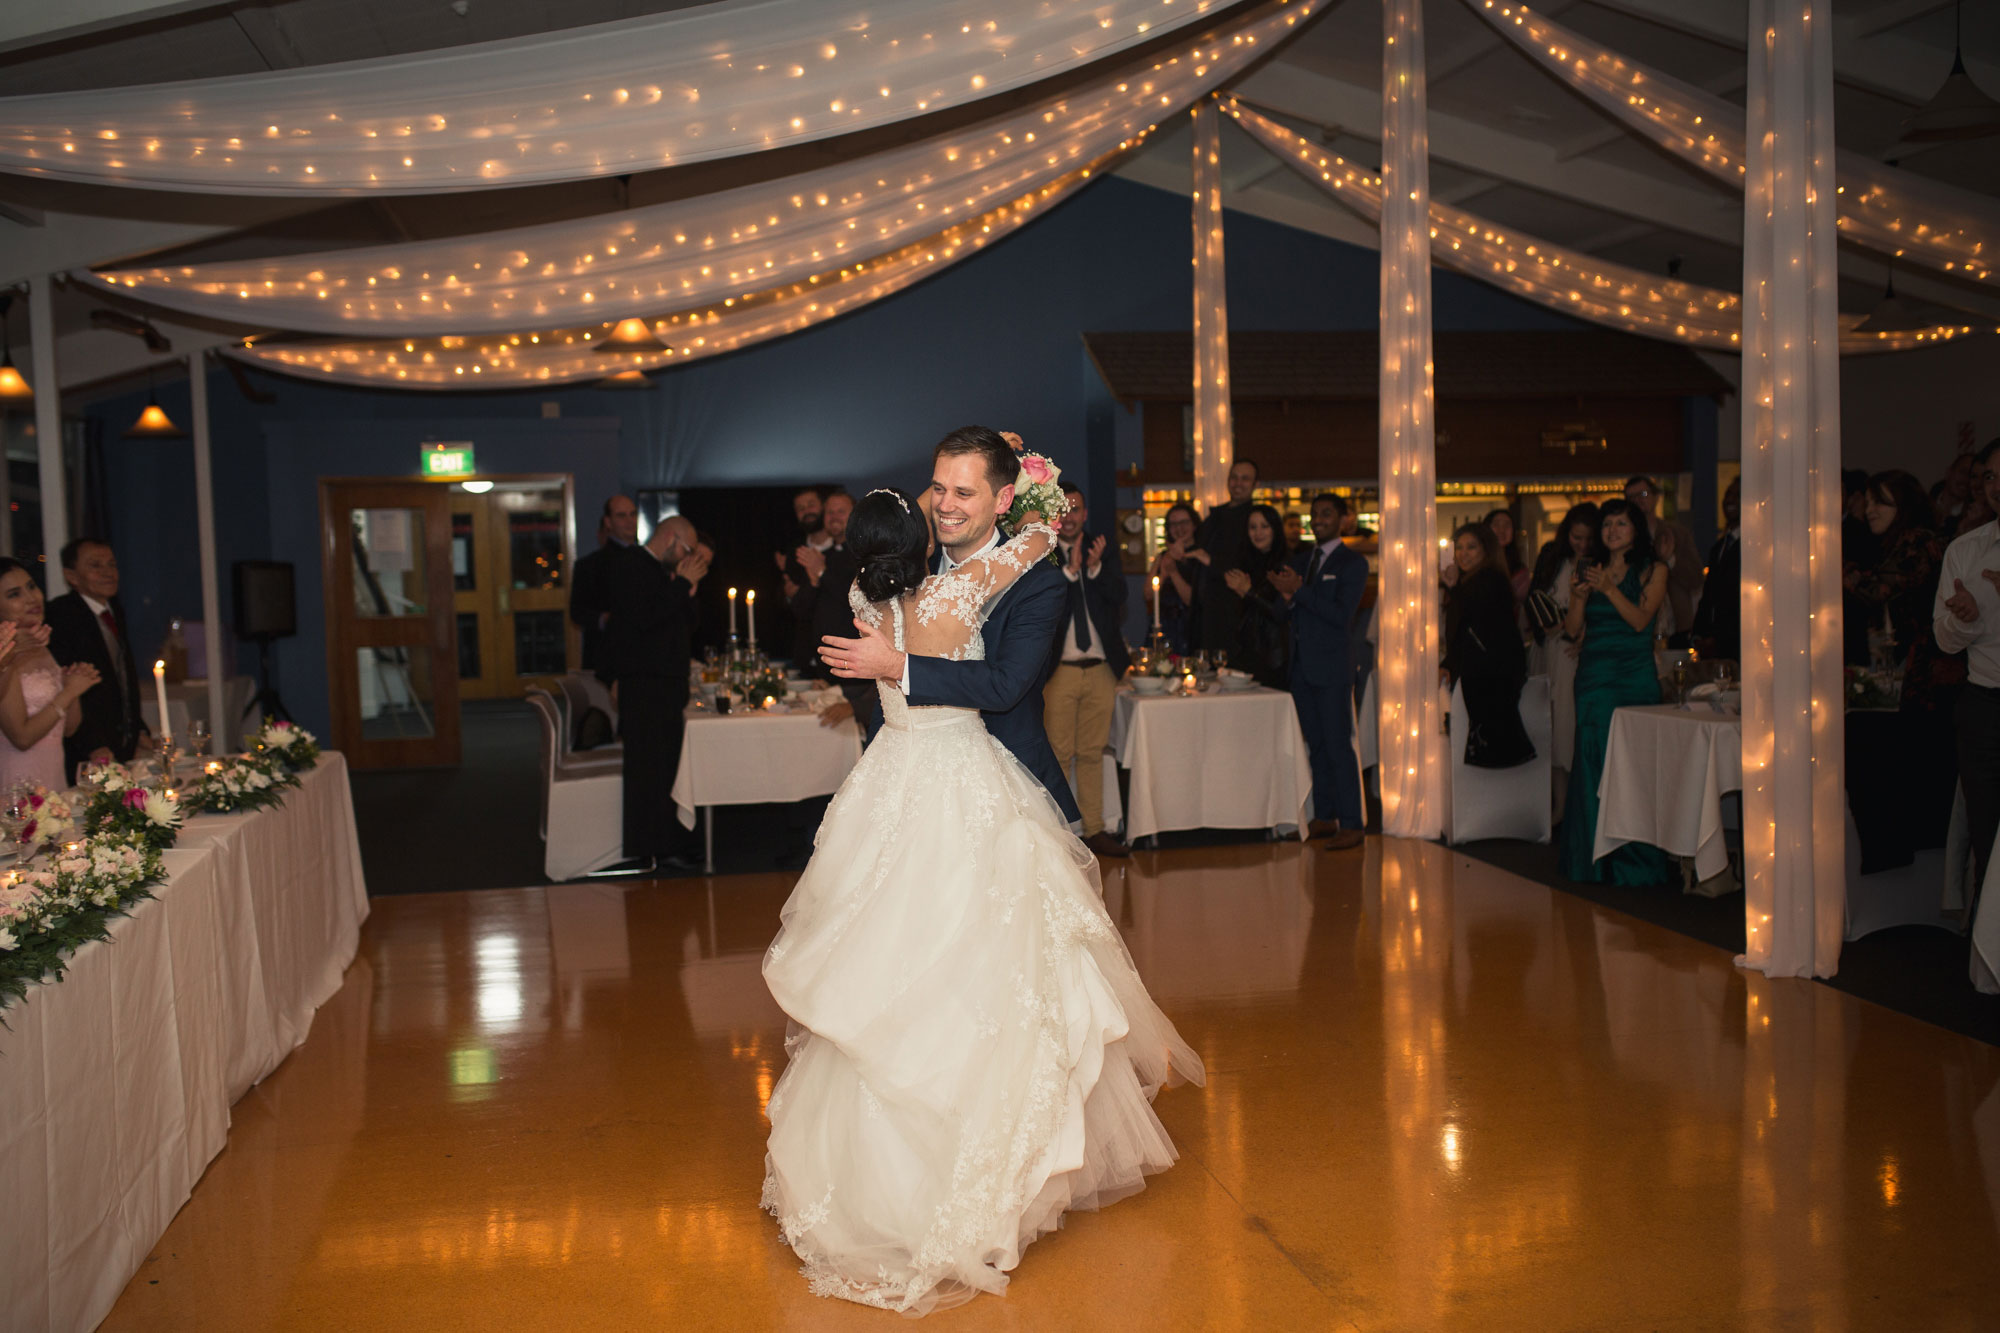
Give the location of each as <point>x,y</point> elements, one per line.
<point>995,339</point>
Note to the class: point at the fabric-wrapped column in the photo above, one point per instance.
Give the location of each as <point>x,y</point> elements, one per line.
<point>1214,439</point>
<point>1407,656</point>
<point>1794,811</point>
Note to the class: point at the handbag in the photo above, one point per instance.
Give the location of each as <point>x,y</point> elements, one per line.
<point>1544,610</point>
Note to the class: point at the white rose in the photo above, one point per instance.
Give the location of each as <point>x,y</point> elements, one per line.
<point>7,940</point>
<point>161,811</point>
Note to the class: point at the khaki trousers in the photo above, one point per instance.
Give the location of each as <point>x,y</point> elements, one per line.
<point>1076,710</point>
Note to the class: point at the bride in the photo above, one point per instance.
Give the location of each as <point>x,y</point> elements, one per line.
<point>971,1052</point>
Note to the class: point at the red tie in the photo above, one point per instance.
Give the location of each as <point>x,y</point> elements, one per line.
<point>110,622</point>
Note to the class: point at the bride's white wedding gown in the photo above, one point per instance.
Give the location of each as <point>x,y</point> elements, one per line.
<point>971,1050</point>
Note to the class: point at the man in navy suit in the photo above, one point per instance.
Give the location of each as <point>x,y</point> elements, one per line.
<point>1322,590</point>
<point>973,471</point>
<point>1091,661</point>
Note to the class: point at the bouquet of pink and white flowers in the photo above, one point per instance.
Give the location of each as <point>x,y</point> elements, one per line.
<point>47,819</point>
<point>1037,489</point>
<point>291,745</point>
<point>47,912</point>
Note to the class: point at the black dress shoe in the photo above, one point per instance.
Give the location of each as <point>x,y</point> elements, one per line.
<point>676,864</point>
<point>1105,844</point>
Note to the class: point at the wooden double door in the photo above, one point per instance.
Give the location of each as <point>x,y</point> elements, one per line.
<point>436,593</point>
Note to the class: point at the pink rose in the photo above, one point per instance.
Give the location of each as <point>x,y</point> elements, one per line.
<point>1035,469</point>
<point>135,799</point>
<point>28,831</point>
<point>35,801</point>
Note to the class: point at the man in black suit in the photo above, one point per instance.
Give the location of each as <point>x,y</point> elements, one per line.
<point>647,651</point>
<point>589,590</point>
<point>822,611</point>
<point>1718,629</point>
<point>1076,703</point>
<point>86,624</point>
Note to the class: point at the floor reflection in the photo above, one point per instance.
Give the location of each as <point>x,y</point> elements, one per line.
<point>1441,1097</point>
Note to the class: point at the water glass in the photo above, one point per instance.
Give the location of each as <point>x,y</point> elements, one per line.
<point>198,739</point>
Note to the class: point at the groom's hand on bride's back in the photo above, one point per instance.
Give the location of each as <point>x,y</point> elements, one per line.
<point>870,657</point>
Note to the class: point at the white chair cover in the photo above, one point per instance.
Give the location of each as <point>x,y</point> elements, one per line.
<point>583,809</point>
<point>1502,802</point>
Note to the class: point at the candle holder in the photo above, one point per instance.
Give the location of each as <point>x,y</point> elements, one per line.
<point>166,752</point>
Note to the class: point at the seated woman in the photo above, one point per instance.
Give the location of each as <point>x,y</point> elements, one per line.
<point>1483,653</point>
<point>1262,645</point>
<point>1178,568</point>
<point>1613,606</point>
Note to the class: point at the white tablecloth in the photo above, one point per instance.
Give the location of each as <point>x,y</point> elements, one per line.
<point>1665,772</point>
<point>749,758</point>
<point>1224,760</point>
<point>116,1082</point>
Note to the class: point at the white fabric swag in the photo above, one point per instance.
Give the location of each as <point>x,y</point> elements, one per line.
<point>562,356</point>
<point>612,98</point>
<point>1214,437</point>
<point>1570,281</point>
<point>1884,208</point>
<point>1794,772</point>
<point>676,255</point>
<point>1413,763</point>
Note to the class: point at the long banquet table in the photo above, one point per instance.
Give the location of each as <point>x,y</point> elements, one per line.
<point>1220,760</point>
<point>116,1082</point>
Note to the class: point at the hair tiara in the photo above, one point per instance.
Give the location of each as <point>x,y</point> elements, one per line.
<point>890,491</point>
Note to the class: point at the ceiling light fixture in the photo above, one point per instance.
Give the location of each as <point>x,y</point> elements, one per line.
<point>1960,109</point>
<point>14,387</point>
<point>153,422</point>
<point>632,335</point>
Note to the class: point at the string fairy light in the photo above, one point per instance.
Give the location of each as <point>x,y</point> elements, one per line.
<point>689,251</point>
<point>1411,764</point>
<point>567,355</point>
<point>690,85</point>
<point>1882,207</point>
<point>1214,435</point>
<point>1794,802</point>
<point>1571,281</point>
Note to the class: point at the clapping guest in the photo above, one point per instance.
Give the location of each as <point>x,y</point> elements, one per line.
<point>617,529</point>
<point>818,568</point>
<point>1718,618</point>
<point>1179,571</point>
<point>1613,606</point>
<point>87,624</point>
<point>1555,574</point>
<point>1672,545</point>
<point>1076,703</point>
<point>1966,619</point>
<point>1262,645</point>
<point>828,615</point>
<point>1507,538</point>
<point>1322,591</point>
<point>1221,543</point>
<point>1484,655</point>
<point>39,698</point>
<point>1295,530</point>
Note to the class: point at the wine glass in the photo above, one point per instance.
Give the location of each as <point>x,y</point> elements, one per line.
<point>198,739</point>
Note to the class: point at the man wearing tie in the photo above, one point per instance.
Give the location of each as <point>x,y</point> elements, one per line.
<point>1077,700</point>
<point>86,624</point>
<point>1322,590</point>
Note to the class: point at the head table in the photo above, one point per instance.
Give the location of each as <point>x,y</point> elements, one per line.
<point>116,1082</point>
<point>1224,759</point>
<point>753,756</point>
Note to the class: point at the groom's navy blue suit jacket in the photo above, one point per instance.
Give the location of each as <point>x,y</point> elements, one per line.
<point>1022,648</point>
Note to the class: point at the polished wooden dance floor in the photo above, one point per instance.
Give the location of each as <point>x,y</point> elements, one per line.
<point>1440,1097</point>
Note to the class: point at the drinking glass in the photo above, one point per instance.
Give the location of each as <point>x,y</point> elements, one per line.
<point>198,739</point>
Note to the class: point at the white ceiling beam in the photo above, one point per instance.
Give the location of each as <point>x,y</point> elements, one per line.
<point>63,241</point>
<point>1622,234</point>
<point>1466,191</point>
<point>28,23</point>
<point>268,36</point>
<point>1472,50</point>
<point>1611,131</point>
<point>1876,61</point>
<point>1894,15</point>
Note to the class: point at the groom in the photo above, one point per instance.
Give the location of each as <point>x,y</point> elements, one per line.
<point>972,485</point>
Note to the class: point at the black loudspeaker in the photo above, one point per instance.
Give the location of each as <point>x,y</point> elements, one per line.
<point>264,601</point>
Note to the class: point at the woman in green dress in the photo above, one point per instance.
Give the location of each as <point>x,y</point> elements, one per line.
<point>1612,605</point>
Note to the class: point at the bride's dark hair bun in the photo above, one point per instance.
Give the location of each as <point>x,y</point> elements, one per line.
<point>887,535</point>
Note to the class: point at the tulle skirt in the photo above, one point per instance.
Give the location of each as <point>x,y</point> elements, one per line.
<point>971,1050</point>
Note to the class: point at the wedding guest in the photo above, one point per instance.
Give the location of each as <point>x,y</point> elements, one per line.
<point>1179,573</point>
<point>1613,605</point>
<point>1322,590</point>
<point>1901,591</point>
<point>1501,523</point>
<point>828,615</point>
<point>617,529</point>
<point>814,564</point>
<point>1718,617</point>
<point>647,652</point>
<point>1966,618</point>
<point>1076,703</point>
<point>38,696</point>
<point>1221,543</point>
<point>1295,529</point>
<point>87,624</point>
<point>1262,645</point>
<point>1484,655</point>
<point>1954,495</point>
<point>1857,551</point>
<point>809,511</point>
<point>1555,574</point>
<point>1673,545</point>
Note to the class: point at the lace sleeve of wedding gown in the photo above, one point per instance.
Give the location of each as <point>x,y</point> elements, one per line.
<point>948,609</point>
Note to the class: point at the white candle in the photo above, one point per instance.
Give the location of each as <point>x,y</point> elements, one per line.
<point>1156,601</point>
<point>750,610</point>
<point>732,613</point>
<point>160,693</point>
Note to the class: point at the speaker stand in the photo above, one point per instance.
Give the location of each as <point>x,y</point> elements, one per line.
<point>268,703</point>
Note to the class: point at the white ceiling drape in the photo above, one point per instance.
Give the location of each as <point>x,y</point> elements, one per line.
<point>684,253</point>
<point>612,98</point>
<point>1882,207</point>
<point>570,355</point>
<point>1551,275</point>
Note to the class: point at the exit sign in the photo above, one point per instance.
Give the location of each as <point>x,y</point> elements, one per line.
<point>449,460</point>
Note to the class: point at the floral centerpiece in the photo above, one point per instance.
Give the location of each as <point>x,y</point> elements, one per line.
<point>1038,487</point>
<point>47,818</point>
<point>766,684</point>
<point>47,912</point>
<point>1868,689</point>
<point>240,782</point>
<point>115,803</point>
<point>295,748</point>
